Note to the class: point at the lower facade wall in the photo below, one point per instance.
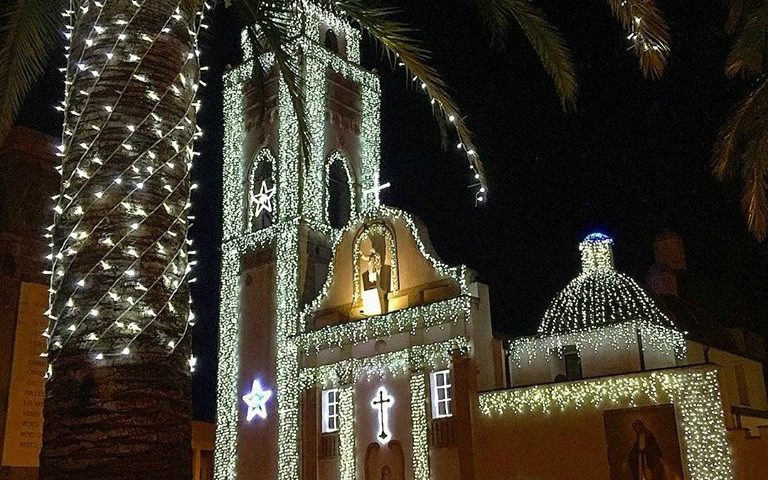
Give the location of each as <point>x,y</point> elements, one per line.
<point>538,447</point>
<point>595,428</point>
<point>750,453</point>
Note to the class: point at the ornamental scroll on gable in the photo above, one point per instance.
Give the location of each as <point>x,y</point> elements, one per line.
<point>382,263</point>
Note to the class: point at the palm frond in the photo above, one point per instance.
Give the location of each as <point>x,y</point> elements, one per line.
<point>27,38</point>
<point>550,47</point>
<point>647,33</point>
<point>754,200</point>
<point>747,55</point>
<point>270,23</point>
<point>396,38</point>
<point>495,15</point>
<point>545,38</point>
<point>743,147</point>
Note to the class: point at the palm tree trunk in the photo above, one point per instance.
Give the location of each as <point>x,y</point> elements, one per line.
<point>117,400</point>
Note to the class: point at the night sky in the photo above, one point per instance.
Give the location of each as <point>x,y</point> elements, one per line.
<point>632,161</point>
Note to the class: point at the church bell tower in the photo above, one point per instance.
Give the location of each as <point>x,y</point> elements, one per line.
<point>282,213</point>
<point>347,348</point>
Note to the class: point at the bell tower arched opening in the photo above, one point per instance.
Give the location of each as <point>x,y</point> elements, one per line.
<point>340,194</point>
<point>262,192</point>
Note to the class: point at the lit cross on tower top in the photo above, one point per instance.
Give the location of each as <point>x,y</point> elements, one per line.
<point>383,402</point>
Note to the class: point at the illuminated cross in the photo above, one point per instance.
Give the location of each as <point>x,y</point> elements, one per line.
<point>263,200</point>
<point>377,190</point>
<point>383,402</point>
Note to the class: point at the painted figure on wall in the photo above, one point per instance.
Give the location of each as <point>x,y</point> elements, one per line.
<point>643,443</point>
<point>644,460</point>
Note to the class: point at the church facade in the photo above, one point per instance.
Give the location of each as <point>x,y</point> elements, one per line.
<point>349,350</point>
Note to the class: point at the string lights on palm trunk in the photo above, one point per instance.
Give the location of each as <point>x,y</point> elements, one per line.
<point>119,248</point>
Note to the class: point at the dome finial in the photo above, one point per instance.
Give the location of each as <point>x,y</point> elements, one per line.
<point>596,253</point>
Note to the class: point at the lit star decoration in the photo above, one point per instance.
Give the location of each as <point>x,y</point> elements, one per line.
<point>257,401</point>
<point>262,201</point>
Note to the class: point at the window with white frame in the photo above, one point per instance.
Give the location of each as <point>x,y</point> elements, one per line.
<point>330,411</point>
<point>441,394</point>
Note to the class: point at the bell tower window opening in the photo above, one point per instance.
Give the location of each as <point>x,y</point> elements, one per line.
<point>440,383</point>
<point>330,406</point>
<point>340,194</point>
<point>262,192</point>
<point>331,41</point>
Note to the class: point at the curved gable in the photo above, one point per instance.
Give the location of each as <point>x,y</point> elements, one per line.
<point>382,262</point>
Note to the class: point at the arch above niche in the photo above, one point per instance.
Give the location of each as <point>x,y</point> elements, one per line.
<point>422,278</point>
<point>261,192</point>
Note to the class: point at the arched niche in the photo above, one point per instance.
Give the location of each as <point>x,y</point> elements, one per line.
<point>341,204</point>
<point>416,275</point>
<point>375,265</point>
<point>261,199</point>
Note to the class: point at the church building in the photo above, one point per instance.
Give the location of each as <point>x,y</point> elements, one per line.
<point>348,350</point>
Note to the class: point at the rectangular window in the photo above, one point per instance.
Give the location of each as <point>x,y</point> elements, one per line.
<point>330,411</point>
<point>572,361</point>
<point>441,394</point>
<point>741,383</point>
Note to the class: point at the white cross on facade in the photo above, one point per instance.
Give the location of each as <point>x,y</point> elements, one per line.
<point>383,402</point>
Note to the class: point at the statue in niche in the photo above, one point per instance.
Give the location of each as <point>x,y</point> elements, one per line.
<point>385,463</point>
<point>371,276</point>
<point>375,269</point>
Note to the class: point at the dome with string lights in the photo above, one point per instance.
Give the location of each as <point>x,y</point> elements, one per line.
<point>600,295</point>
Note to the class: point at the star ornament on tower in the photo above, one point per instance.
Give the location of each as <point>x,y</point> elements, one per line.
<point>257,401</point>
<point>262,201</point>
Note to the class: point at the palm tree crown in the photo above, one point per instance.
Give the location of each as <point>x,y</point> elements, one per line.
<point>742,149</point>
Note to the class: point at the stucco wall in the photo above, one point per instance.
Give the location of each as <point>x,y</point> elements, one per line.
<point>542,447</point>
<point>257,440</point>
<point>754,379</point>
<point>615,351</point>
<point>750,453</point>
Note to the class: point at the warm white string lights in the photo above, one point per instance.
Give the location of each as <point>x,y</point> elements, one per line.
<point>375,215</point>
<point>411,362</point>
<point>600,295</point>
<point>119,247</point>
<point>302,190</point>
<point>411,320</point>
<point>601,307</point>
<point>347,433</point>
<point>283,236</point>
<point>421,470</point>
<point>694,391</point>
